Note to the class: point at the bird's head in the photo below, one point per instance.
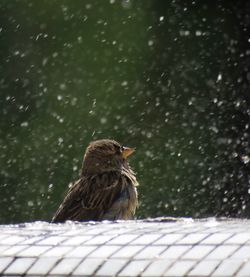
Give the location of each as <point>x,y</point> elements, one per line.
<point>105,155</point>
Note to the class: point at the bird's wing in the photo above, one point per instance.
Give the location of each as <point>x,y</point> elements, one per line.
<point>89,198</point>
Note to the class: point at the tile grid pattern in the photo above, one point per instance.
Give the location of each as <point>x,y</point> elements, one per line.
<point>160,247</point>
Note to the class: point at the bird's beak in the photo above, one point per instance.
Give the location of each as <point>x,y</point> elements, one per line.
<point>127,152</point>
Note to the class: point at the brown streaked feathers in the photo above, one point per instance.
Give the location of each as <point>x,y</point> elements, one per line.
<point>106,189</point>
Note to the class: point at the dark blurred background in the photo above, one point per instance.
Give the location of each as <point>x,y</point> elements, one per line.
<point>170,78</point>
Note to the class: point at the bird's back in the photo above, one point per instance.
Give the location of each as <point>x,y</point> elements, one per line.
<point>105,196</point>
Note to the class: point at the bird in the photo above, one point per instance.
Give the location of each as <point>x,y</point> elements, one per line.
<point>106,189</point>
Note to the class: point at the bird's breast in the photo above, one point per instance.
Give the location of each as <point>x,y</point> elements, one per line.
<point>125,204</point>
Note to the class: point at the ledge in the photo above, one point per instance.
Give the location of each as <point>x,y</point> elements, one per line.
<point>152,247</point>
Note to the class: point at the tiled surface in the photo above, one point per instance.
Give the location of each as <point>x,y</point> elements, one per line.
<point>180,268</point>
<point>134,268</point>
<point>19,266</point>
<point>181,247</point>
<point>244,272</point>
<point>5,262</point>
<point>112,266</point>
<point>228,268</point>
<point>88,267</point>
<point>65,266</point>
<point>42,266</point>
<point>157,268</point>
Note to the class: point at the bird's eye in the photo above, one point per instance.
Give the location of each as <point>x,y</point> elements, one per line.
<point>120,150</point>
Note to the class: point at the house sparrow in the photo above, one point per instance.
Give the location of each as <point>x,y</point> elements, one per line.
<point>106,189</point>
